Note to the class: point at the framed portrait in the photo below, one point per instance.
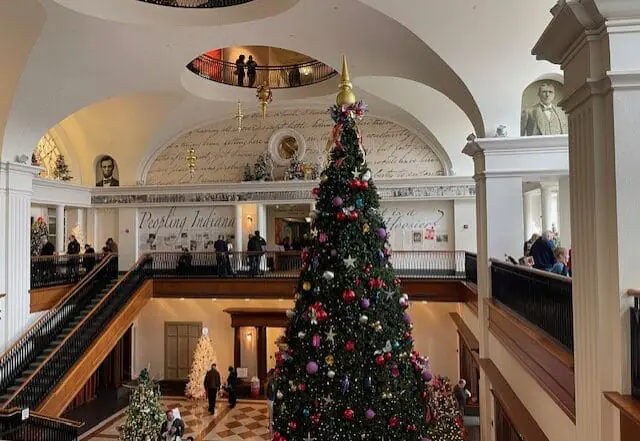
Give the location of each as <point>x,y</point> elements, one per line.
<point>107,174</point>
<point>541,114</point>
<point>417,236</point>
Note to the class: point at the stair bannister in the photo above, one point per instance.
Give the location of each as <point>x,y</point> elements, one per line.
<point>36,427</point>
<point>27,347</point>
<point>635,342</point>
<point>32,391</point>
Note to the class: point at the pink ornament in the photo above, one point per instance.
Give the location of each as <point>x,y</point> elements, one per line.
<point>322,237</point>
<point>312,368</point>
<point>337,201</point>
<point>370,414</point>
<point>382,233</point>
<point>315,341</point>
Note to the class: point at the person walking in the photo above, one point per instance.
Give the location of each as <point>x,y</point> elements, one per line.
<point>232,382</point>
<point>211,385</point>
<point>252,71</point>
<point>240,70</point>
<point>461,394</point>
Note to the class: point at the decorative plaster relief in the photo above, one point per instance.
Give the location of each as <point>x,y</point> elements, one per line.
<point>392,150</point>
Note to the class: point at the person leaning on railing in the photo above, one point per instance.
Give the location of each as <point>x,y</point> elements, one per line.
<point>542,252</point>
<point>560,267</point>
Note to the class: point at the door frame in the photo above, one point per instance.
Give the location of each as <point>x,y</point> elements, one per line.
<point>166,343</point>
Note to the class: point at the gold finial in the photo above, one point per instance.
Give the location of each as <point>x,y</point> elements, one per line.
<point>346,96</point>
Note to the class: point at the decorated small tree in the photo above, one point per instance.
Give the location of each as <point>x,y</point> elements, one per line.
<point>61,171</point>
<point>247,175</point>
<point>294,170</point>
<point>144,415</point>
<point>203,357</point>
<point>39,229</point>
<point>446,422</point>
<point>346,370</point>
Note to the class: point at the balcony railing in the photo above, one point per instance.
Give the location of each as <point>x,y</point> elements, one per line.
<point>543,299</point>
<point>635,344</point>
<point>471,267</point>
<point>287,264</point>
<point>197,3</point>
<point>278,77</point>
<point>47,271</point>
<point>36,427</point>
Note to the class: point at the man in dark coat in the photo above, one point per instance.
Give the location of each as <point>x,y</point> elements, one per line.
<point>211,385</point>
<point>542,252</point>
<point>222,250</point>
<point>461,395</point>
<point>48,249</point>
<point>172,429</point>
<point>255,247</point>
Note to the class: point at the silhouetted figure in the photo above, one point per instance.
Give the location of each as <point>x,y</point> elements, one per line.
<point>211,385</point>
<point>240,70</point>
<point>252,71</point>
<point>232,382</point>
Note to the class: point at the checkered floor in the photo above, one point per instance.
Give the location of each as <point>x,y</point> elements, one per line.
<point>248,421</point>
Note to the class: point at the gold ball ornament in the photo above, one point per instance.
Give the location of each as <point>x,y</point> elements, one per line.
<point>366,228</point>
<point>329,360</point>
<point>306,286</point>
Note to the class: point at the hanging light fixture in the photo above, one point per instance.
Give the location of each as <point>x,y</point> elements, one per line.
<point>239,116</point>
<point>191,160</point>
<point>265,97</point>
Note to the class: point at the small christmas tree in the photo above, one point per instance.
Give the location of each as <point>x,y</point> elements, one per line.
<point>263,169</point>
<point>446,422</point>
<point>247,176</point>
<point>144,415</point>
<point>294,171</point>
<point>203,357</point>
<point>39,229</point>
<point>61,171</point>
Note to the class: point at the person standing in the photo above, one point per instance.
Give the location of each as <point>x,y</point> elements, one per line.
<point>461,394</point>
<point>232,382</point>
<point>542,252</point>
<point>240,70</point>
<point>89,258</point>
<point>211,385</point>
<point>270,391</point>
<point>222,249</point>
<point>48,249</point>
<point>256,248</point>
<point>252,71</point>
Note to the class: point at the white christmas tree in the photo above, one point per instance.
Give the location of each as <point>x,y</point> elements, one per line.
<point>144,415</point>
<point>203,357</point>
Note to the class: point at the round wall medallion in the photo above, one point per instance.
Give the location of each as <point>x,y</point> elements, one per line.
<point>286,144</point>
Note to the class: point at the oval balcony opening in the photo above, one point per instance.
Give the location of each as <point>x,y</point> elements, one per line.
<point>251,66</point>
<point>197,3</point>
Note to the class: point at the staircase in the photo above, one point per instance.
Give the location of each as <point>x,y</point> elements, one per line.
<point>81,332</point>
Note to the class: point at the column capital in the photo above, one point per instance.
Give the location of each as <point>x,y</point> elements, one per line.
<point>549,186</point>
<point>14,176</point>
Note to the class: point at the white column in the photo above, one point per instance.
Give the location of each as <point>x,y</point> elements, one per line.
<point>602,75</point>
<point>60,223</point>
<point>83,229</point>
<point>92,228</point>
<point>15,253</point>
<point>528,215</point>
<point>548,215</point>
<point>262,219</point>
<point>564,212</point>
<point>239,230</point>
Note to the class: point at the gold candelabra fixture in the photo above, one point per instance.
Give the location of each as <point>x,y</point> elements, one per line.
<point>265,96</point>
<point>191,160</point>
<point>239,116</point>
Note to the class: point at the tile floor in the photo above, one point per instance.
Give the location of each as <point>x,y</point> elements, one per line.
<point>246,422</point>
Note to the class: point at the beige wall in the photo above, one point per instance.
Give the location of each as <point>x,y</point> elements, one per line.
<point>272,335</point>
<point>434,331</point>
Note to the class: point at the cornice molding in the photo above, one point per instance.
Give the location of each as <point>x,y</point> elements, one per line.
<point>523,144</point>
<point>624,80</point>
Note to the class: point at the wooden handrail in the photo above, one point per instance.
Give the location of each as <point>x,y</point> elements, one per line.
<point>66,421</point>
<point>56,256</point>
<point>76,328</point>
<point>63,299</point>
<point>633,292</point>
<point>533,271</point>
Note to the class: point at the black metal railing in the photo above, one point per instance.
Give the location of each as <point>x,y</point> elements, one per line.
<point>542,298</point>
<point>471,267</point>
<point>635,346</point>
<point>197,3</point>
<point>277,77</point>
<point>40,335</point>
<point>35,427</point>
<point>64,269</point>
<point>55,366</point>
<point>287,264</point>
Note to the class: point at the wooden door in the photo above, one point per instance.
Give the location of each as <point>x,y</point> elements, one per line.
<point>505,430</point>
<point>181,339</point>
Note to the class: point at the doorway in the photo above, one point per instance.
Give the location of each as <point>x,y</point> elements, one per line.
<point>180,341</point>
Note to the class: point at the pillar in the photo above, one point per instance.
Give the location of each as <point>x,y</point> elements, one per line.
<point>238,231</point>
<point>549,210</point>
<point>60,223</point>
<point>564,212</point>
<point>601,66</point>
<point>528,215</point>
<point>92,228</point>
<point>15,248</point>
<point>82,227</point>
<point>261,222</point>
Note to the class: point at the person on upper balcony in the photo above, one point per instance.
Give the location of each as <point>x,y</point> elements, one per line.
<point>252,71</point>
<point>240,70</point>
<point>542,252</point>
<point>562,258</point>
<point>48,249</point>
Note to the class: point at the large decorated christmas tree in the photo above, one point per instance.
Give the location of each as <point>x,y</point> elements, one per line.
<point>347,370</point>
<point>144,415</point>
<point>203,357</point>
<point>445,417</point>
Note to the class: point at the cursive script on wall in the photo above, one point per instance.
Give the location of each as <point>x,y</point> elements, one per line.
<point>222,151</point>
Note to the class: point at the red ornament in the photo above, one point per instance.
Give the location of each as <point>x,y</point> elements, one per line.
<point>315,419</point>
<point>411,428</point>
<point>379,360</point>
<point>348,296</point>
<point>388,356</point>
<point>315,191</point>
<point>348,414</point>
<point>407,335</point>
<point>350,346</point>
<point>321,315</point>
<point>293,425</point>
<point>353,216</point>
<point>341,216</point>
<point>302,387</point>
<point>276,436</point>
<point>393,422</point>
<point>424,395</point>
<point>364,185</point>
<point>355,184</point>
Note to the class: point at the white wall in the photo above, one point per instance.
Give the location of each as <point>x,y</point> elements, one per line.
<point>403,219</point>
<point>434,331</point>
<point>464,233</point>
<point>127,238</point>
<point>108,219</point>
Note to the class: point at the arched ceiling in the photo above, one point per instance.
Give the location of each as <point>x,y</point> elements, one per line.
<point>449,67</point>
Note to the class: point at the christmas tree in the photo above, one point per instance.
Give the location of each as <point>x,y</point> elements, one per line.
<point>247,175</point>
<point>61,171</point>
<point>446,422</point>
<point>203,357</point>
<point>263,168</point>
<point>39,229</point>
<point>347,370</point>
<point>294,171</point>
<point>144,415</point>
